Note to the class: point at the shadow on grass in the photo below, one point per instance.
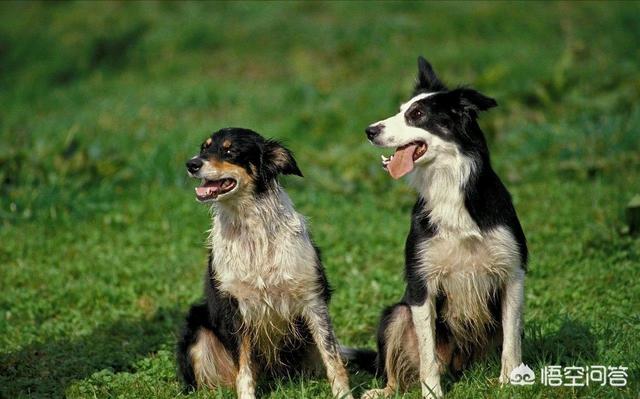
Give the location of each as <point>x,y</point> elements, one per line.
<point>46,369</point>
<point>570,344</point>
<point>359,381</point>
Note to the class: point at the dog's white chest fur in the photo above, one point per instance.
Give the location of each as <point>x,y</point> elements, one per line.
<point>263,257</point>
<point>468,271</point>
<point>460,262</point>
<point>492,254</point>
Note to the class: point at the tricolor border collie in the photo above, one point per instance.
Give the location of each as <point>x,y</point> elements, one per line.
<point>265,312</point>
<point>466,253</point>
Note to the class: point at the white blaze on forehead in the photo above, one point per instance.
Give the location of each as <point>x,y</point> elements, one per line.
<point>396,131</point>
<point>404,107</point>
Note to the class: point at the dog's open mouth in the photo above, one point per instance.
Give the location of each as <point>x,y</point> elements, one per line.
<point>401,162</point>
<point>211,189</point>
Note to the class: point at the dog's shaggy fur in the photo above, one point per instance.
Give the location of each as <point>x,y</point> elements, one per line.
<point>466,253</point>
<point>266,291</point>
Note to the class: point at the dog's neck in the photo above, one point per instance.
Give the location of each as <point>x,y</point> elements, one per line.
<point>260,243</point>
<point>259,216</point>
<point>441,183</point>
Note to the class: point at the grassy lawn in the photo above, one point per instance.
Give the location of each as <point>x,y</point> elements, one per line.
<point>102,241</point>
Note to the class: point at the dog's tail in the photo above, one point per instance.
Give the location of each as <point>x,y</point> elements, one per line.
<point>360,359</point>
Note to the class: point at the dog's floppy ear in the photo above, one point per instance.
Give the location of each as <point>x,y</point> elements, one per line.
<point>427,79</point>
<point>472,100</point>
<point>276,159</point>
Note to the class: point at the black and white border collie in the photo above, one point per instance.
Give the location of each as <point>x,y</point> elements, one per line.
<point>265,312</point>
<point>466,254</point>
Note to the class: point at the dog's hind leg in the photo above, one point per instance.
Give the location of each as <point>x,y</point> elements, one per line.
<point>317,317</point>
<point>202,359</point>
<point>512,302</point>
<point>397,351</point>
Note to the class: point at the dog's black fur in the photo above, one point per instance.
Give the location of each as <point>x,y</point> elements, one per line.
<point>452,116</point>
<point>219,313</point>
<point>260,161</point>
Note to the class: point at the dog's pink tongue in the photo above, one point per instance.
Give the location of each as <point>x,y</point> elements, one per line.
<point>402,161</point>
<point>202,191</point>
<point>207,189</point>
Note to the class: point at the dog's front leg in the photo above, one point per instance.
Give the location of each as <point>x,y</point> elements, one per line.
<point>245,380</point>
<point>317,317</point>
<point>424,321</point>
<point>512,301</point>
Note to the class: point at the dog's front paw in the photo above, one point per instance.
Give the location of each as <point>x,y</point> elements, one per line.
<point>375,394</point>
<point>521,373</point>
<point>505,373</point>
<point>343,395</point>
<point>341,392</point>
<point>504,378</point>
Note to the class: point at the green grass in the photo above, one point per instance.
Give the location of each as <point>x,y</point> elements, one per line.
<point>101,240</point>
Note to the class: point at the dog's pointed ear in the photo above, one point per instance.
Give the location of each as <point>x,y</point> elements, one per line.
<point>427,79</point>
<point>277,159</point>
<point>472,100</point>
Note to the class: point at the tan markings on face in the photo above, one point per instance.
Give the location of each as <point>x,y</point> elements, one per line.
<point>208,142</point>
<point>226,144</point>
<point>235,170</point>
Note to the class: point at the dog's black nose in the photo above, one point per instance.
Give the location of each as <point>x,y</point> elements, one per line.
<point>373,130</point>
<point>194,165</point>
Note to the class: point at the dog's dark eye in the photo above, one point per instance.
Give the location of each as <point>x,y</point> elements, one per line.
<point>416,113</point>
<point>226,148</point>
<point>227,153</point>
